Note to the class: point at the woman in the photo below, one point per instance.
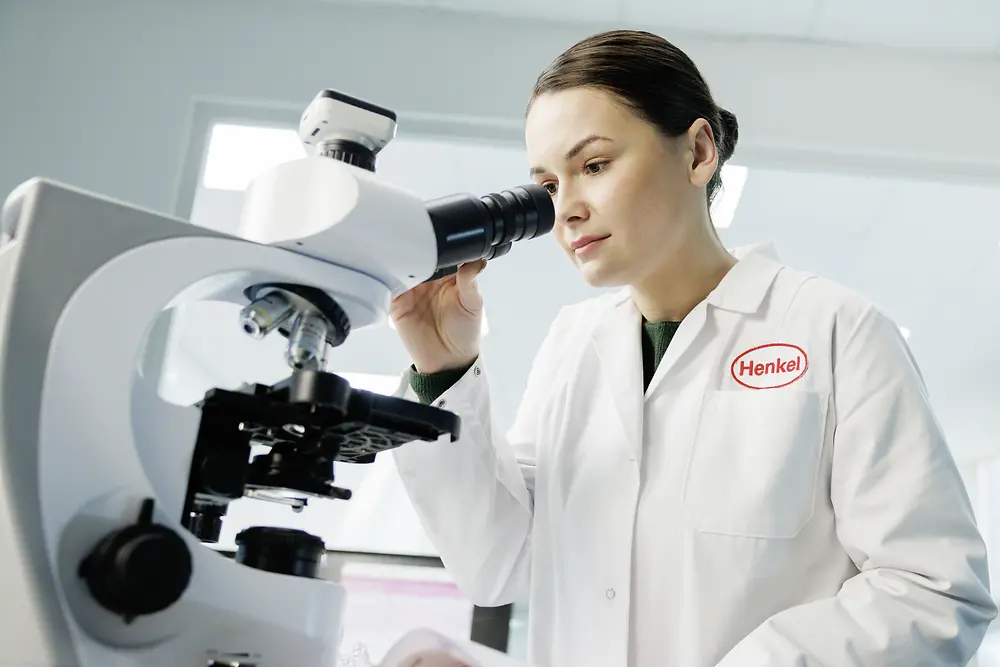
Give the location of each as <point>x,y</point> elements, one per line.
<point>727,462</point>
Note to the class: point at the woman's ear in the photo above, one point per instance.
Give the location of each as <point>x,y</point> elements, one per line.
<point>703,154</point>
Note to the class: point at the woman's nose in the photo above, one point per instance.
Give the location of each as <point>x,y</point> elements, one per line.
<point>570,209</point>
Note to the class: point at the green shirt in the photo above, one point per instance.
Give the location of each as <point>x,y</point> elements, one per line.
<point>656,336</point>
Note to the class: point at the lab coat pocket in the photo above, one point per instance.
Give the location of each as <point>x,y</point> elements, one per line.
<point>756,457</point>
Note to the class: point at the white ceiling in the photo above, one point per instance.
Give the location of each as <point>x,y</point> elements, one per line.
<point>966,26</point>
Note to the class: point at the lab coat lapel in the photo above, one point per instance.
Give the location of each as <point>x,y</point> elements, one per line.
<point>684,338</point>
<point>618,345</point>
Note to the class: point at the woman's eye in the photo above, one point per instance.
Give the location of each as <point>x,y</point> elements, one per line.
<point>550,187</point>
<point>595,167</point>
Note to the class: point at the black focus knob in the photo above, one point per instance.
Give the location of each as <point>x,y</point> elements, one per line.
<point>141,569</point>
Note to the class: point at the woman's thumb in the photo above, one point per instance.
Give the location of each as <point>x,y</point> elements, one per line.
<point>465,281</point>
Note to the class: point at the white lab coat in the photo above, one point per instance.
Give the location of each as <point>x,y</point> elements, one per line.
<point>712,521</point>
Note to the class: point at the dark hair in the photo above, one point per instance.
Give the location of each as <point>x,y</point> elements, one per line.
<point>651,76</point>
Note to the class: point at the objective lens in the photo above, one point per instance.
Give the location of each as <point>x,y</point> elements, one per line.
<point>307,342</point>
<point>265,315</point>
<point>469,228</point>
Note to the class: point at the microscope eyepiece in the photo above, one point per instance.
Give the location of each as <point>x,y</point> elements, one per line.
<point>470,228</point>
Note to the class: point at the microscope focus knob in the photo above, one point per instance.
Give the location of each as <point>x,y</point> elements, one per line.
<point>141,569</point>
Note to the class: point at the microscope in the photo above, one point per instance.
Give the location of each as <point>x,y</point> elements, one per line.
<point>110,496</point>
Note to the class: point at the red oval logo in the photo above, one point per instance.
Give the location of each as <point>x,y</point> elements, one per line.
<point>770,366</point>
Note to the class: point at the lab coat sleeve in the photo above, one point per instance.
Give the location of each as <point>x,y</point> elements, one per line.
<point>903,515</point>
<point>475,496</point>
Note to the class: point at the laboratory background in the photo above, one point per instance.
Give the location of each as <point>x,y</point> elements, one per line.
<point>869,153</point>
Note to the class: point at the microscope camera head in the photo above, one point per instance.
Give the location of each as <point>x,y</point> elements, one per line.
<point>345,128</point>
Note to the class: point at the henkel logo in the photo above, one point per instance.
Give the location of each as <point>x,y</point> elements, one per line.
<point>770,366</point>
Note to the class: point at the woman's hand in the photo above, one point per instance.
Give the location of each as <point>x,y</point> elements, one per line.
<point>440,322</point>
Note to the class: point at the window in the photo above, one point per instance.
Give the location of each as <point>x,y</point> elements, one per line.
<point>427,166</point>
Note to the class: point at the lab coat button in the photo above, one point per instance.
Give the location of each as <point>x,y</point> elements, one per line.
<point>611,594</point>
<point>477,371</point>
<point>441,403</point>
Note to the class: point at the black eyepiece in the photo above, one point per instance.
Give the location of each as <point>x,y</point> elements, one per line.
<point>470,228</point>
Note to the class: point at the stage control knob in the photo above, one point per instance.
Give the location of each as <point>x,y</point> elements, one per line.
<point>141,569</point>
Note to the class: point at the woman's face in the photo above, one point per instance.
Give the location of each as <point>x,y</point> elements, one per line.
<point>626,197</point>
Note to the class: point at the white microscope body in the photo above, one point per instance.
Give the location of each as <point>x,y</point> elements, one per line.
<point>109,494</point>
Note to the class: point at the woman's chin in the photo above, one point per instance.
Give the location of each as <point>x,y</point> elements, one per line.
<point>596,274</point>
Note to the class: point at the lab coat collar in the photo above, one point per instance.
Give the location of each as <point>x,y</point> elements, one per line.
<point>743,289</point>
